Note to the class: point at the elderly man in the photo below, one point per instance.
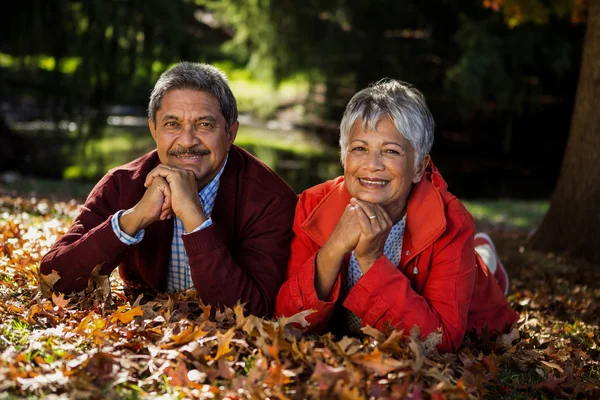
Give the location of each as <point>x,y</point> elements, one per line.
<point>196,212</point>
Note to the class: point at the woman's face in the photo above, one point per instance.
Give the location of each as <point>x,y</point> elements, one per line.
<point>380,167</point>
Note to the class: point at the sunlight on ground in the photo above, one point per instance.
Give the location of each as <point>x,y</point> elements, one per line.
<point>509,213</point>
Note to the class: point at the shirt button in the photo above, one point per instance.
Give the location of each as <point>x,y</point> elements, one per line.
<point>408,252</point>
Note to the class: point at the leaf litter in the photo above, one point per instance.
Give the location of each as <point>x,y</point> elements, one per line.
<point>102,344</point>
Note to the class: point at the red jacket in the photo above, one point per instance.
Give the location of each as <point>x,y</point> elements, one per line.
<point>241,256</point>
<point>452,289</point>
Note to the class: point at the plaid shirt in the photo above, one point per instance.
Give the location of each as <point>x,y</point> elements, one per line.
<point>179,276</point>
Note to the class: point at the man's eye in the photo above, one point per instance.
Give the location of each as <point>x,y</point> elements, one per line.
<point>204,125</point>
<point>171,123</point>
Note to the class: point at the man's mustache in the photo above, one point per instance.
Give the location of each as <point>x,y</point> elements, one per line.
<point>193,151</point>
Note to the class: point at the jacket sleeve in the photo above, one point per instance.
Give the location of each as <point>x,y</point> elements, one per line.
<point>89,242</point>
<point>254,273</point>
<point>384,294</point>
<point>298,291</point>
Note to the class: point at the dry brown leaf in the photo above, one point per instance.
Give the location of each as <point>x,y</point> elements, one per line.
<point>275,375</point>
<point>188,334</point>
<point>374,333</point>
<point>347,392</point>
<point>178,375</point>
<point>553,366</point>
<point>379,363</point>
<point>33,311</point>
<point>393,344</point>
<point>299,318</point>
<point>253,323</point>
<point>126,317</point>
<point>46,284</point>
<point>349,345</point>
<point>415,347</point>
<point>59,300</point>
<point>505,341</point>
<point>431,342</point>
<point>99,286</point>
<point>326,376</point>
<point>223,344</point>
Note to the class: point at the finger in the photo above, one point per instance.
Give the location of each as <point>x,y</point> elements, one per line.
<point>165,214</point>
<point>368,210</point>
<point>364,221</point>
<point>162,170</point>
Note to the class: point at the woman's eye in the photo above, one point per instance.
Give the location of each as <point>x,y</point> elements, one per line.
<point>392,152</point>
<point>359,148</point>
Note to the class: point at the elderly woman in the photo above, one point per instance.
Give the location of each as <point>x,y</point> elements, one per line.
<point>386,244</point>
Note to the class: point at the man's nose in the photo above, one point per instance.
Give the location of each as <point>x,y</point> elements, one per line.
<point>188,136</point>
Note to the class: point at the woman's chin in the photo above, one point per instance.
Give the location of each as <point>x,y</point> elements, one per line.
<point>370,198</point>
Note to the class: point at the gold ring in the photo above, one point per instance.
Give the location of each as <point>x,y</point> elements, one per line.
<point>373,217</point>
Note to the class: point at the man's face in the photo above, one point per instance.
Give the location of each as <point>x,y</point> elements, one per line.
<point>191,133</point>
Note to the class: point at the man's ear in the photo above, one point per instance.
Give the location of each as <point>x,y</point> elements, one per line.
<point>421,169</point>
<point>152,127</point>
<point>233,130</point>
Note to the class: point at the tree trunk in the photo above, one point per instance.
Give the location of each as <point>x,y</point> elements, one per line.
<point>572,225</point>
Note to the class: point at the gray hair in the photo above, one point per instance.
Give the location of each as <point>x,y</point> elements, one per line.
<point>403,104</point>
<point>195,76</point>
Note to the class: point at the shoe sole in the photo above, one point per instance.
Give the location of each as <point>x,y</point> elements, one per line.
<point>498,261</point>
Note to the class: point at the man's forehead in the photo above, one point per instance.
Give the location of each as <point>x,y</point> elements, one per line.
<point>179,101</point>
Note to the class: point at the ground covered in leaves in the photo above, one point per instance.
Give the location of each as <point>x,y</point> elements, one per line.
<point>105,345</point>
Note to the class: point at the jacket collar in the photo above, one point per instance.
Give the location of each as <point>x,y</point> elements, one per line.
<point>425,216</point>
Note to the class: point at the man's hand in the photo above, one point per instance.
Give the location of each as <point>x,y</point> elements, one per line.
<point>375,226</point>
<point>154,205</point>
<point>184,200</point>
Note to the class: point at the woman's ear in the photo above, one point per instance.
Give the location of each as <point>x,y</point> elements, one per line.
<point>421,169</point>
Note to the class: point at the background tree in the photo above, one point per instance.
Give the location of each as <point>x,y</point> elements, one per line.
<point>572,224</point>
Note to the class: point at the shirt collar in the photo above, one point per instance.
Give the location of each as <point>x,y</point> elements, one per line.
<point>209,192</point>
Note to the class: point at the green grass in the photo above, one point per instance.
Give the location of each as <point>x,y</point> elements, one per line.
<point>507,212</point>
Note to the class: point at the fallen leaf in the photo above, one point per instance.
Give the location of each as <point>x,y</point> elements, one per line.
<point>505,341</point>
<point>46,284</point>
<point>374,333</point>
<point>223,344</point>
<point>299,318</point>
<point>59,300</point>
<point>326,376</point>
<point>379,363</point>
<point>126,317</point>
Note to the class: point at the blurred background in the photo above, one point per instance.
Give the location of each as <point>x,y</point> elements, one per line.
<point>75,77</point>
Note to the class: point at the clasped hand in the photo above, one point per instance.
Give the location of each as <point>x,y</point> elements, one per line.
<point>364,228</point>
<point>169,190</point>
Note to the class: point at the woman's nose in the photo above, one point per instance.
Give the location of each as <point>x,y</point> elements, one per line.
<point>374,161</point>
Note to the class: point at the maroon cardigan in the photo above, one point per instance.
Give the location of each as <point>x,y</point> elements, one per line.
<point>242,256</point>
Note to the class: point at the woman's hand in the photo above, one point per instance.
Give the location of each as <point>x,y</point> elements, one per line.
<point>329,258</point>
<point>375,226</point>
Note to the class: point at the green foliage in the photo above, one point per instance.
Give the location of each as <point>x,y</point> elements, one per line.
<point>508,67</point>
<point>85,55</point>
<point>517,12</point>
